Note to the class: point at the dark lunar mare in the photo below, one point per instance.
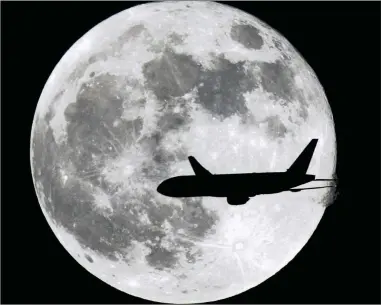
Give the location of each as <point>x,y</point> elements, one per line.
<point>71,204</point>
<point>247,35</point>
<point>220,90</point>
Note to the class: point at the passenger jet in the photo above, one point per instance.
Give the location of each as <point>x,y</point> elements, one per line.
<point>238,188</point>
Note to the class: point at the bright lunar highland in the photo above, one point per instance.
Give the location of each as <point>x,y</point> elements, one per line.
<point>125,107</point>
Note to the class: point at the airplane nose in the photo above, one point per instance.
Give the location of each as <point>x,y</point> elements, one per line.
<point>161,188</point>
<point>165,188</point>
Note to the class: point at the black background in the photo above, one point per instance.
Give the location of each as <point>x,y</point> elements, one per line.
<point>339,264</point>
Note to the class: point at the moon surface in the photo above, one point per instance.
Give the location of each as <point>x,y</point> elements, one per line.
<point>124,108</point>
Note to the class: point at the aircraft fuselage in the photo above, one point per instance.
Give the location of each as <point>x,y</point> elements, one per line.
<point>226,185</point>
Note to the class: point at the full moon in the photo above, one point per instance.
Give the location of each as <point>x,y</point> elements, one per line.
<point>124,108</point>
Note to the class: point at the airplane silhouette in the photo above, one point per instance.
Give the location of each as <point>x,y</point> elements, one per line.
<point>238,188</point>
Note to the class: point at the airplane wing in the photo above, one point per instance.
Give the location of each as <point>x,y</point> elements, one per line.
<point>237,200</point>
<point>309,188</point>
<point>197,167</point>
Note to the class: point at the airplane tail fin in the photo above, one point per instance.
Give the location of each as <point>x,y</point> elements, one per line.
<point>302,163</point>
<point>198,169</point>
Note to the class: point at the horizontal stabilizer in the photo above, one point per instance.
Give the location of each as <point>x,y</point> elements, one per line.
<point>198,169</point>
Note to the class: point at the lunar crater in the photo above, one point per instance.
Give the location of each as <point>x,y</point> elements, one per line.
<point>247,35</point>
